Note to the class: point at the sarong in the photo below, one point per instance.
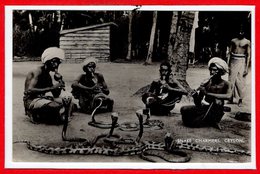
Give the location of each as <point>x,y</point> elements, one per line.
<point>39,103</point>
<point>237,68</point>
<point>194,116</point>
<point>159,106</point>
<point>88,102</point>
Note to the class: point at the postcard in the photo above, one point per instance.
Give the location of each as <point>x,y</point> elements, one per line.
<point>130,87</point>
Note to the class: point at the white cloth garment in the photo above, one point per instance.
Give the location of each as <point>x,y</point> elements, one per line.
<point>52,52</point>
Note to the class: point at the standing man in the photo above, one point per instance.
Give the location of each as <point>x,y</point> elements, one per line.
<point>38,106</point>
<point>238,61</point>
<point>164,93</point>
<point>90,88</point>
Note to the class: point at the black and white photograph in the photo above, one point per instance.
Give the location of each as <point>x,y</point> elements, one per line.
<point>165,87</point>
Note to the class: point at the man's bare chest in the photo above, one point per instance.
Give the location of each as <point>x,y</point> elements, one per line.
<point>216,88</point>
<point>241,44</point>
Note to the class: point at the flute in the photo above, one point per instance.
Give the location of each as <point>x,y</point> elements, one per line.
<point>163,82</point>
<point>58,78</point>
<point>202,84</point>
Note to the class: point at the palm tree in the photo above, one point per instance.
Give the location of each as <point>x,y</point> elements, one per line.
<point>179,42</point>
<point>129,51</point>
<point>151,43</point>
<point>178,48</point>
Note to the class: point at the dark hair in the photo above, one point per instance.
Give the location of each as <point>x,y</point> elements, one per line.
<point>53,59</point>
<point>220,70</point>
<point>168,65</point>
<point>85,66</point>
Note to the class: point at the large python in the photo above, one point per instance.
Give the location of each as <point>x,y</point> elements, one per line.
<point>118,146</point>
<point>144,149</point>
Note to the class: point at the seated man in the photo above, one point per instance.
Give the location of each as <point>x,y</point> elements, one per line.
<point>215,90</point>
<point>38,106</point>
<point>91,89</point>
<point>164,93</point>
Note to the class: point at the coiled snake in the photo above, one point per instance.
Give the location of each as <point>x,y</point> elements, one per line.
<point>148,123</point>
<point>169,150</point>
<point>116,146</point>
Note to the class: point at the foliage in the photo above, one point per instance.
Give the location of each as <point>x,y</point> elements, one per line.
<point>30,39</point>
<point>22,40</point>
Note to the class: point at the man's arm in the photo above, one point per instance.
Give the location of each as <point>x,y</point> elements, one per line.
<point>179,89</point>
<point>32,80</point>
<point>103,86</point>
<point>153,86</point>
<point>248,58</point>
<point>230,48</point>
<point>226,96</point>
<point>79,85</point>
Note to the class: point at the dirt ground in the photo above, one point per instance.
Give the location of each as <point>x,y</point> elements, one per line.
<point>124,80</point>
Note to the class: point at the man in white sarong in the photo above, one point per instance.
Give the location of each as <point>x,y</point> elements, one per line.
<point>238,61</point>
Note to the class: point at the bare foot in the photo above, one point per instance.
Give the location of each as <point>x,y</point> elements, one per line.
<point>217,126</point>
<point>34,119</point>
<point>230,101</point>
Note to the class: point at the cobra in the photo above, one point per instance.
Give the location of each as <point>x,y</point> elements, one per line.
<point>169,150</point>
<point>116,146</point>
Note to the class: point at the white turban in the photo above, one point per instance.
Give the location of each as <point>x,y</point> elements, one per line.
<point>52,52</point>
<point>220,64</point>
<point>89,60</point>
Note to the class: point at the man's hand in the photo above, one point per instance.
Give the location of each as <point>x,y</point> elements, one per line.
<point>202,90</point>
<point>219,102</point>
<point>165,86</point>
<point>245,72</point>
<point>28,92</point>
<point>97,89</point>
<point>58,86</point>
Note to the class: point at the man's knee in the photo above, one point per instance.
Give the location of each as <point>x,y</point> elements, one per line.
<point>108,102</point>
<point>147,96</point>
<point>184,109</point>
<point>54,106</point>
<point>110,105</point>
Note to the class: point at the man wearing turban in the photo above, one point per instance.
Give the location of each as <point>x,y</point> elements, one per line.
<point>38,106</point>
<point>90,89</point>
<point>213,92</point>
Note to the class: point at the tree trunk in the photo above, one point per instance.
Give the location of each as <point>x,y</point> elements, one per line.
<point>31,23</point>
<point>129,51</point>
<point>172,36</point>
<point>179,44</point>
<point>60,20</point>
<point>151,43</point>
